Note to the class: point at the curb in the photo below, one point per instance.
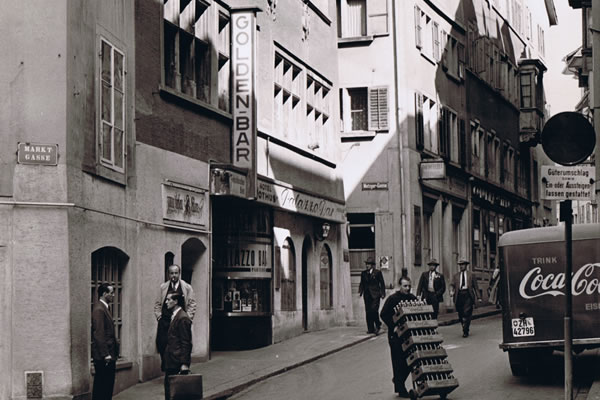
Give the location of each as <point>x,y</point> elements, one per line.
<point>224,394</point>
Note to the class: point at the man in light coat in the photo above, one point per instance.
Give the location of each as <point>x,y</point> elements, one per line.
<point>163,314</point>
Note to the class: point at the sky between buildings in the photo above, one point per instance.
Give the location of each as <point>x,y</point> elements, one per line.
<point>562,91</point>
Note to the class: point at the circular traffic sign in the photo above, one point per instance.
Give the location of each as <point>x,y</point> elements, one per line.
<point>568,138</point>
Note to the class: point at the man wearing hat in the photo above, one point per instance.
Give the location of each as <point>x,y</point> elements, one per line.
<point>432,286</point>
<point>372,288</point>
<point>465,291</point>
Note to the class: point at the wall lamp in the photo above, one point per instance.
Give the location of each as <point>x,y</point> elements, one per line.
<point>323,231</point>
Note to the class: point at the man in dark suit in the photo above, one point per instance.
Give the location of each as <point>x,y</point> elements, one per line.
<point>372,288</point>
<point>432,286</point>
<point>178,352</point>
<point>465,291</point>
<point>105,348</point>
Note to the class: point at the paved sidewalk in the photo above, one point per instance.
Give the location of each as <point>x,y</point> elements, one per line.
<point>227,373</point>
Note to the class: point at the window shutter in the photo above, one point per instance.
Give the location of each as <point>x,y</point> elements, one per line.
<point>462,143</point>
<point>443,124</point>
<point>435,34</point>
<point>461,60</point>
<point>419,121</point>
<point>444,50</point>
<point>377,22</point>
<point>418,41</point>
<point>378,109</point>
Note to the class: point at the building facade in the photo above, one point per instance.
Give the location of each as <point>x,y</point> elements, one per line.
<point>126,129</point>
<point>435,104</point>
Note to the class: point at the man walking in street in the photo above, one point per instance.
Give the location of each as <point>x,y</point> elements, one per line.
<point>105,348</point>
<point>465,291</point>
<point>372,288</point>
<point>162,313</point>
<point>399,366</point>
<point>178,351</point>
<point>432,286</point>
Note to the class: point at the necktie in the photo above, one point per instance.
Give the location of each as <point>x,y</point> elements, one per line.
<point>463,281</point>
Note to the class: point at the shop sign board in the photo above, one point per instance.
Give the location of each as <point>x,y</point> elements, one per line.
<point>227,182</point>
<point>567,183</point>
<point>302,203</point>
<point>433,170</point>
<point>243,260</point>
<point>184,204</point>
<point>37,153</point>
<point>243,31</point>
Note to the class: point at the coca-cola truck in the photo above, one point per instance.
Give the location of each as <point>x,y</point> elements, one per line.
<point>532,293</point>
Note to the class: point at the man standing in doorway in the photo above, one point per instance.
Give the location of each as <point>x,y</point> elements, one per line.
<point>105,348</point>
<point>432,286</point>
<point>162,312</point>
<point>372,288</point>
<point>465,291</point>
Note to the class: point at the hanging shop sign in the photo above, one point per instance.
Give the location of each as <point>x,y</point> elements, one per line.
<point>243,30</point>
<point>227,183</point>
<point>568,183</point>
<point>302,203</point>
<point>184,204</point>
<point>374,186</point>
<point>243,260</point>
<point>37,154</point>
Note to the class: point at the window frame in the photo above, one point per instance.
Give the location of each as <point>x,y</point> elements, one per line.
<point>326,286</point>
<point>288,281</point>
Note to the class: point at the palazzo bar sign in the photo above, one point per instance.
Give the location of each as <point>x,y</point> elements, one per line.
<point>292,200</point>
<point>184,204</point>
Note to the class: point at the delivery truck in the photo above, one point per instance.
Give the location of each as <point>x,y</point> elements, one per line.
<point>532,293</point>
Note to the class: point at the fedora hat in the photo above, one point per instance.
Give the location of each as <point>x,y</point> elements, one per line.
<point>433,261</point>
<point>370,261</point>
<point>463,261</point>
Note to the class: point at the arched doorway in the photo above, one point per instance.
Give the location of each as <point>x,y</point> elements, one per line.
<point>191,251</point>
<point>306,253</point>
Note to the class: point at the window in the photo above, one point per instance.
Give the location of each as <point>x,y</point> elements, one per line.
<point>482,153</point>
<point>108,264</point>
<point>317,111</point>
<point>474,146</point>
<point>541,44</point>
<point>453,56</point>
<point>476,238</point>
<point>326,281</point>
<point>497,160</point>
<point>287,92</point>
<point>448,134</point>
<point>526,90</point>
<point>111,135</point>
<point>491,159</point>
<point>288,276</point>
<point>360,18</point>
<point>361,241</point>
<point>427,35</point>
<point>364,109</point>
<point>426,120</point>
<point>188,33</point>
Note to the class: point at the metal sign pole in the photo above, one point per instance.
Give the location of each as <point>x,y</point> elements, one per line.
<point>566,215</point>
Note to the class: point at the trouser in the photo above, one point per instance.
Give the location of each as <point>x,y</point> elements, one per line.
<point>372,312</point>
<point>169,372</point>
<point>399,366</point>
<point>161,338</point>
<point>104,380</point>
<point>431,298</point>
<point>464,308</point>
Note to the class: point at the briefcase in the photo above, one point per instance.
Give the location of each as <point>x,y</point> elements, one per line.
<point>185,387</point>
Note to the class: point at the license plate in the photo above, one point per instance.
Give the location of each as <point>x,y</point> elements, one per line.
<point>523,327</point>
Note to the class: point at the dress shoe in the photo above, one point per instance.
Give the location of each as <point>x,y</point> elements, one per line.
<point>370,331</point>
<point>377,330</point>
<point>404,394</point>
<point>465,334</point>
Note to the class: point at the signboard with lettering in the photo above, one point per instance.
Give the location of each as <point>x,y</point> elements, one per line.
<point>226,182</point>
<point>433,170</point>
<point>243,260</point>
<point>567,183</point>
<point>293,200</point>
<point>37,153</point>
<point>243,29</point>
<point>374,186</point>
<point>184,204</point>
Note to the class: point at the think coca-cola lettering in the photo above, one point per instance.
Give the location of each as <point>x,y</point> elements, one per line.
<point>535,284</point>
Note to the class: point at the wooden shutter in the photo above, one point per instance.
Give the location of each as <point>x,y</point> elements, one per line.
<point>419,128</point>
<point>418,30</point>
<point>378,109</point>
<point>444,41</point>
<point>443,133</point>
<point>377,21</point>
<point>462,143</point>
<point>461,60</point>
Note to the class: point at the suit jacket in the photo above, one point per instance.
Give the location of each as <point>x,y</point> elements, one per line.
<point>179,341</point>
<point>188,293</point>
<point>372,283</point>
<point>471,286</point>
<point>439,285</point>
<point>104,340</point>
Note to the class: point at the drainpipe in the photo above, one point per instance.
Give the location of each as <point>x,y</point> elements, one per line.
<point>397,114</point>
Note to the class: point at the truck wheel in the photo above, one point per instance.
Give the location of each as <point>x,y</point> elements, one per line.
<point>523,361</point>
<point>518,362</point>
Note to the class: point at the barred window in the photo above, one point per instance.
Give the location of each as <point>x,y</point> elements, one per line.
<point>288,276</point>
<point>108,264</point>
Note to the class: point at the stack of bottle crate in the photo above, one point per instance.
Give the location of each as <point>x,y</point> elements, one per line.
<point>431,372</point>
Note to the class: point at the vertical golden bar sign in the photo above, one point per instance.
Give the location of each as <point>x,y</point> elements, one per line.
<point>243,30</point>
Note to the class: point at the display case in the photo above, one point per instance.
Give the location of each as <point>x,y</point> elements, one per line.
<point>241,296</point>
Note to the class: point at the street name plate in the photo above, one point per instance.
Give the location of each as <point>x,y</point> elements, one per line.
<point>37,153</point>
<point>567,183</point>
